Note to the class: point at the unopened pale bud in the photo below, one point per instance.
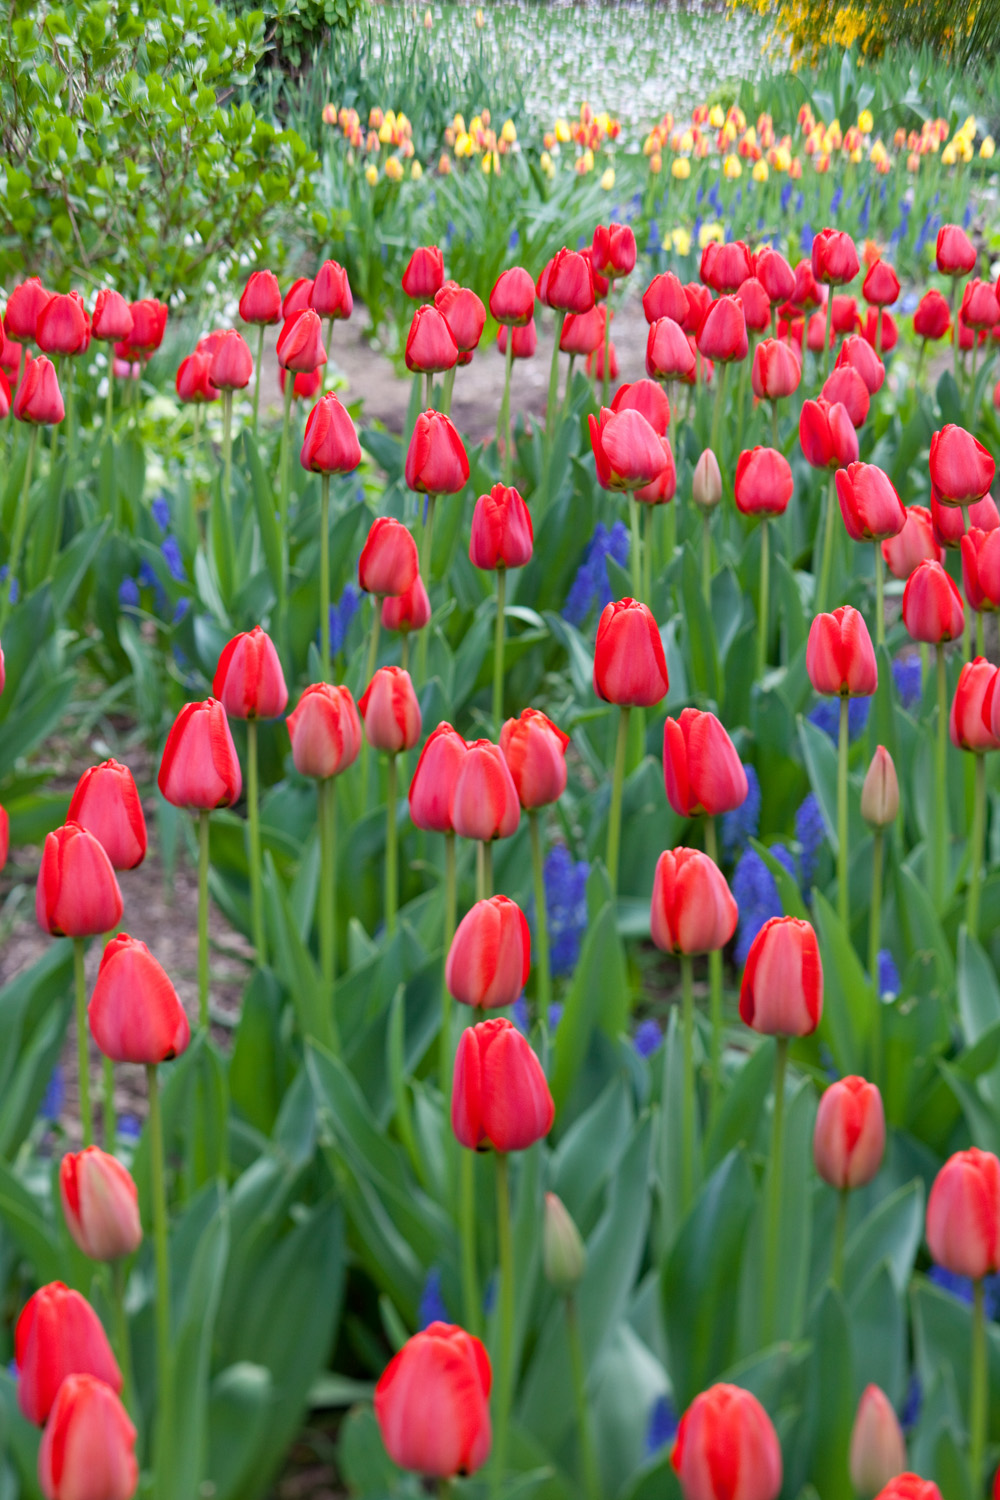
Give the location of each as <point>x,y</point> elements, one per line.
<point>563,1252</point>
<point>706,485</point>
<point>878,1452</point>
<point>880,793</point>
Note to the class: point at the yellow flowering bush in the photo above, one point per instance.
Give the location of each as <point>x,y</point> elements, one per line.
<point>808,27</point>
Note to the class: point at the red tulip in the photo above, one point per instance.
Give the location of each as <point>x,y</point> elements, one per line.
<point>961,468</point>
<point>464,313</point>
<point>915,544</point>
<point>424,275</point>
<point>4,836</point>
<point>723,335</point>
<point>859,353</point>
<point>134,1013</point>
<point>249,682</point>
<point>502,534</point>
<point>232,363</point>
<point>408,611</point>
<point>909,1487</point>
<point>432,1403</point>
<point>701,769</point>
<point>149,322</point>
<point>963,1214</point>
<point>112,317</point>
<point>300,343</point>
<point>755,303</point>
<point>834,257</point>
<point>816,339</point>
<point>566,284</point>
<point>775,274</point>
<point>490,955</point>
<point>200,768</point>
<point>949,521</point>
<point>525,339</point>
<point>297,298</point>
<point>613,252</point>
<point>878,1451</point>
<point>665,297</point>
<point>432,790</point>
<point>582,333</point>
<point>63,326</point>
<point>647,398</point>
<point>971,720</point>
<point>840,657</point>
<point>77,894</point>
<point>663,488</point>
<point>390,711</point>
<point>325,731</point>
<point>844,315</point>
<point>330,444</point>
<point>485,804</point>
<point>932,606</point>
<point>881,284</point>
<point>699,301</point>
<point>693,910</point>
<point>38,398</point>
<point>668,353</point>
<point>880,327</point>
<point>849,1136</point>
<point>106,803</point>
<point>627,452</point>
<point>776,370</point>
<point>979,304</point>
<point>331,292</point>
<point>763,484</point>
<point>827,435</point>
<point>388,563</point>
<point>100,1203</point>
<point>844,385</point>
<point>782,989</point>
<point>24,307</point>
<point>535,752</point>
<point>869,504</point>
<point>956,254</point>
<point>6,399</point>
<point>981,568</point>
<point>88,1447</point>
<point>499,1096</point>
<point>305,385</point>
<point>436,463</point>
<point>725,267</point>
<point>932,319</point>
<point>512,300</point>
<point>727,1448</point>
<point>630,667</point>
<point>193,381</point>
<point>261,299</point>
<point>58,1334</point>
<point>807,293</point>
<point>430,344</point>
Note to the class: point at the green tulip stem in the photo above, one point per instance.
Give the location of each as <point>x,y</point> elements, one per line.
<point>979,1391</point>
<point>874,944</point>
<point>715,986</point>
<point>772,1228</point>
<point>324,575</point>
<point>450,917</point>
<point>505,1344</point>
<point>203,919</point>
<point>258,375</point>
<point>954,324</point>
<point>976,841</point>
<point>253,846</point>
<point>68,372</point>
<point>843,895</point>
<point>123,1343</point>
<point>563,410</point>
<point>286,442</point>
<point>498,649</point>
<point>20,525</point>
<point>763,617</point>
<point>939,852</point>
<point>774,426</point>
<point>110,1116</point>
<point>373,638</point>
<point>551,409</point>
<point>706,556</point>
<point>721,371</point>
<point>617,785</point>
<point>470,1273</point>
<point>689,1101</point>
<point>827,340</point>
<point>227,457</point>
<point>448,390</point>
<point>109,398</point>
<point>543,977</point>
<point>82,1047</point>
<point>503,425</point>
<point>646,515</point>
<point>484,870</point>
<point>329,345</point>
<point>980,633</point>
<point>826,563</point>
<point>426,563</point>
<point>588,1454</point>
<point>879,596</point>
<point>391,854</point>
<point>327,817</point>
<point>159,1196</point>
<point>606,381</point>
<point>839,1239</point>
<point>635,548</point>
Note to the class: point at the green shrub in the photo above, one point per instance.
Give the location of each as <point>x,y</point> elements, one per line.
<point>296,28</point>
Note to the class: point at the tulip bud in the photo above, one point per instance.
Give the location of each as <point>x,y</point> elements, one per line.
<point>261,300</point>
<point>834,257</point>
<point>932,605</point>
<point>782,989</point>
<point>200,768</point>
<point>962,470</point>
<point>849,1136</point>
<point>331,292</point>
<point>844,315</point>
<point>910,1487</point>
<point>232,363</point>
<point>613,252</point>
<point>499,1096</point>
<point>859,354</point>
<point>706,482</point>
<point>430,344</point>
<point>300,343</point>
<point>106,803</point>
<point>827,435</point>
<point>840,658</point>
<point>630,667</point>
<point>774,274</point>
<point>955,252</point>
<point>512,300</point>
<point>763,484</point>
<point>845,386</point>
<point>701,770</point>
<point>77,894</point>
<point>724,267</point>
<point>249,682</point>
<point>192,382</point>
<point>878,1450</point>
<point>669,355</point>
<point>693,910</point>
<point>63,325</point>
<point>149,322</point>
<point>424,275</point>
<point>325,731</point>
<point>390,711</point>
<point>389,561</point>
<point>755,303</point>
<point>963,1214</point>
<point>881,284</point>
<point>330,443</point>
<point>723,334</point>
<point>869,505</point>
<point>25,305</point>
<point>490,955</point>
<point>502,534</point>
<point>535,752</point>
<point>58,1334</point>
<point>38,398</point>
<point>726,1447</point>
<point>112,318</point>
<point>566,283</point>
<point>916,543</point>
<point>432,1403</point>
<point>564,1255</point>
<point>464,313</point>
<point>100,1204</point>
<point>932,319</point>
<point>134,1013</point>
<point>776,370</point>
<point>408,611</point>
<point>436,462</point>
<point>485,805</point>
<point>432,789</point>
<point>297,298</point>
<point>582,333</point>
<point>880,793</point>
<point>88,1447</point>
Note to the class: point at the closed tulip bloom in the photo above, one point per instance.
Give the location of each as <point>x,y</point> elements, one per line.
<point>260,303</point>
<point>408,611</point>
<point>665,297</point>
<point>981,568</point>
<point>432,1403</point>
<point>134,1013</point>
<point>389,561</point>
<point>297,298</point>
<point>849,1136</point>
<point>776,370</point>
<point>630,667</point>
<point>725,267</point>
<point>701,770</point>
<point>888,337</point>
<point>881,284</point>
<point>916,543</point>
<point>88,1447</point>
<point>807,293</point>
<point>566,283</point>
<point>464,313</point>
<point>949,521</point>
<point>763,484</point>
<point>723,335</point>
<point>112,318</point>
<point>869,504</point>
<point>649,399</point>
<point>331,292</point>
<point>582,333</point>
<point>424,275</point>
<point>306,385</point>
<point>525,339</point>
<point>200,768</point>
<point>932,606</point>
<point>149,323</point>
<point>106,803</point>
<point>706,481</point>
<point>692,910</point>
<point>700,299</point>
<point>193,381</point>
<point>77,894</point>
<point>880,792</point>
<point>564,1255</point>
<point>664,487</point>
<point>330,444</point>
<point>300,343</point>
<point>979,304</point>
<point>485,805</point>
<point>956,254</point>
<point>668,353</point>
<point>840,658</point>
<point>755,303</point>
<point>512,300</point>
<point>432,790</point>
<point>430,344</point>
<point>63,325</point>
<point>859,353</point>
<point>232,363</point>
<point>490,955</point>
<point>436,463</point>
<point>972,708</point>
<point>535,752</point>
<point>846,386</point>
<point>325,731</point>
<point>909,1487</point>
<point>100,1203</point>
<point>38,398</point>
<point>613,251</point>
<point>816,339</point>
<point>58,1334</point>
<point>844,315</point>
<point>502,534</point>
<point>878,1450</point>
<point>726,1448</point>
<point>834,257</point>
<point>932,319</point>
<point>963,1214</point>
<point>782,989</point>
<point>6,398</point>
<point>962,470</point>
<point>249,682</point>
<point>774,274</point>
<point>390,711</point>
<point>627,452</point>
<point>24,307</point>
<point>499,1096</point>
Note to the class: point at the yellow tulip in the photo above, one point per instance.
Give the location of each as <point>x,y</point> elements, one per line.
<point>656,163</point>
<point>680,168</point>
<point>759,173</point>
<point>416,171</point>
<point>709,233</point>
<point>987,148</point>
<point>509,132</point>
<point>681,241</point>
<point>866,122</point>
<point>562,132</point>
<point>371,174</point>
<point>732,167</point>
<point>394,169</point>
<point>716,117</point>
